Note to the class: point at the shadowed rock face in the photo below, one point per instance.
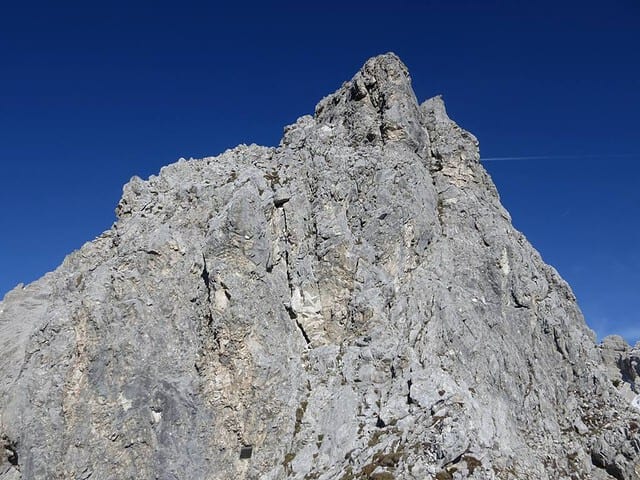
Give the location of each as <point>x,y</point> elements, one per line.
<point>353,304</point>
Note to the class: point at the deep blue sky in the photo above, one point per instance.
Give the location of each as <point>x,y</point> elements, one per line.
<point>92,93</point>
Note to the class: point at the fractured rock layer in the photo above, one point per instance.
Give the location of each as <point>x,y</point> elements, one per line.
<point>354,303</point>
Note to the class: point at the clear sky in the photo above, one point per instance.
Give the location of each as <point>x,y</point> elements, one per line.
<point>92,93</point>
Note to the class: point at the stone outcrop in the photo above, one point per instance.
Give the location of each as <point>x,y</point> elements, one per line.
<point>623,367</point>
<point>352,304</point>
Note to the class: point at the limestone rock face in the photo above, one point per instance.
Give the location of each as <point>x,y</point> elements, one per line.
<point>353,304</point>
<point>623,367</point>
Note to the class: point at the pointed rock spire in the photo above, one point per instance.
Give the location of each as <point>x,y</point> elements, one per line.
<point>378,105</point>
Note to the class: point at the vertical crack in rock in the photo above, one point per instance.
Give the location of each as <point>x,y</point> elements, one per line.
<point>409,399</point>
<point>205,278</point>
<point>294,317</point>
<point>289,307</point>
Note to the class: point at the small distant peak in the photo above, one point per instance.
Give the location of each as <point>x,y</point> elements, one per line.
<point>435,108</point>
<point>615,342</point>
<point>450,144</point>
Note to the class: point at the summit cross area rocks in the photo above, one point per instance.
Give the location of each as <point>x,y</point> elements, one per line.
<point>352,304</point>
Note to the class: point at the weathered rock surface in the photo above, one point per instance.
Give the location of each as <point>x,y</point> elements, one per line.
<point>352,304</point>
<point>623,366</point>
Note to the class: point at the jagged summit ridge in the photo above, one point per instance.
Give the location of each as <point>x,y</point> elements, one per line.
<point>351,304</point>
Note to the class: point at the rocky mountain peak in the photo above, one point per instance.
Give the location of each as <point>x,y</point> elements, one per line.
<point>378,105</point>
<point>353,304</point>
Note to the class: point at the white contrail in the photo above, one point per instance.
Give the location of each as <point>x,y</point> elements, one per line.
<point>558,157</point>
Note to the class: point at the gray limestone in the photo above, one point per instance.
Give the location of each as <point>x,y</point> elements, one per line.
<point>352,304</point>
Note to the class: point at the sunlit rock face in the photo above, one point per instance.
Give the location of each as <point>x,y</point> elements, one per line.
<point>352,304</point>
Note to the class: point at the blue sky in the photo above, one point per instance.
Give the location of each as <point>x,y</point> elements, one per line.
<point>92,93</point>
